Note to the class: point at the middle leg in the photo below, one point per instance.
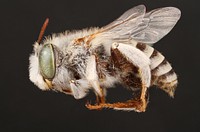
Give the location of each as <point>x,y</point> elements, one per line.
<point>93,79</point>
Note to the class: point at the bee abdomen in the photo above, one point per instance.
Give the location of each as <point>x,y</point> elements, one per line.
<point>167,82</point>
<point>163,75</point>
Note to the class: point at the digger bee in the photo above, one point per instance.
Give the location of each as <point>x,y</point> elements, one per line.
<point>97,58</point>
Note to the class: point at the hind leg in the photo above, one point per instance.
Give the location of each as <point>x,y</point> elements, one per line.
<point>136,62</point>
<point>139,103</point>
<point>143,93</point>
<point>126,55</point>
<point>135,104</point>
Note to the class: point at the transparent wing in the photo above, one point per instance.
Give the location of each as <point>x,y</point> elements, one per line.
<point>131,17</point>
<point>146,28</point>
<point>127,22</point>
<point>156,24</point>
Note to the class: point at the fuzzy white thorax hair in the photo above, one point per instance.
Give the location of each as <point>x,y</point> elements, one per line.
<point>62,39</point>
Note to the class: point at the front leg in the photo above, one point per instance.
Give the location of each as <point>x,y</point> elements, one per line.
<point>79,88</point>
<point>93,79</point>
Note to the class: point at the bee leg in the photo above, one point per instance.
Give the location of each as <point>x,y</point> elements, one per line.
<point>136,104</point>
<point>92,77</point>
<point>130,105</point>
<point>77,91</point>
<point>126,53</point>
<point>132,57</point>
<point>143,92</point>
<point>100,99</point>
<point>139,103</point>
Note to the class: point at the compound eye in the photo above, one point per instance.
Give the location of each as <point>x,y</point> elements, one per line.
<point>47,61</point>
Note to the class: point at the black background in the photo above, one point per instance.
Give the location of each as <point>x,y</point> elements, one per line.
<point>24,107</point>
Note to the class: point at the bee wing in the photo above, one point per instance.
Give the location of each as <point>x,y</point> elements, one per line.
<point>131,17</point>
<point>143,27</point>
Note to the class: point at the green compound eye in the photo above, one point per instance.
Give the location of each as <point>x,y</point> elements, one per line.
<point>47,61</point>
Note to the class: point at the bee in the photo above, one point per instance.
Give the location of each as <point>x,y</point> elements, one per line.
<point>97,58</point>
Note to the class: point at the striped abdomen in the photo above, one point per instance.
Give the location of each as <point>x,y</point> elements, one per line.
<point>162,73</point>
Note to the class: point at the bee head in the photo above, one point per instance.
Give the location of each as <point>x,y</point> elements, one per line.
<point>42,62</point>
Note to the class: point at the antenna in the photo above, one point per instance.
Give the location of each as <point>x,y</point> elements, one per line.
<point>44,26</point>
